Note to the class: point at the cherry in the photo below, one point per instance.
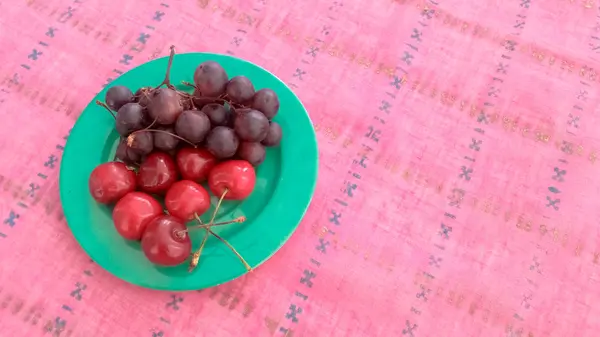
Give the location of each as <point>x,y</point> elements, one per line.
<point>186,199</point>
<point>133,212</point>
<point>195,164</point>
<point>165,241</point>
<point>157,173</point>
<point>232,179</point>
<point>110,181</point>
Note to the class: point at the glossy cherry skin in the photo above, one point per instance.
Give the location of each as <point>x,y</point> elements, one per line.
<point>236,176</point>
<point>195,164</point>
<point>164,243</point>
<point>133,212</point>
<point>186,198</point>
<point>157,173</point>
<point>110,181</point>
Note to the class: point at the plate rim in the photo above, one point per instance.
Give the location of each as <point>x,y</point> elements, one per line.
<point>302,206</point>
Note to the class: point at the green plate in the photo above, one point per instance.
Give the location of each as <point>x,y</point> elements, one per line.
<point>284,186</point>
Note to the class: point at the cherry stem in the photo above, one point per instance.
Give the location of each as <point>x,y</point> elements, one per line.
<point>248,267</point>
<point>167,80</point>
<point>159,131</point>
<point>102,104</point>
<point>219,237</point>
<point>218,206</point>
<point>202,225</point>
<point>196,255</point>
<point>236,220</point>
<point>210,224</point>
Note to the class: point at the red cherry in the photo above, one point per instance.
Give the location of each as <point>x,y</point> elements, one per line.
<point>166,242</point>
<point>157,173</point>
<point>186,198</point>
<point>195,164</point>
<point>133,212</point>
<point>235,178</point>
<point>110,181</point>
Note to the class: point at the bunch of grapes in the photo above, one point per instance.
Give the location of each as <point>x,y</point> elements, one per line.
<point>228,117</point>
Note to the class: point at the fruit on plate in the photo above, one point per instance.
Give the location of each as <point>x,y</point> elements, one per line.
<point>232,180</point>
<point>157,173</point>
<point>166,242</point>
<point>195,164</point>
<point>133,212</point>
<point>185,199</point>
<point>217,132</point>
<point>111,181</point>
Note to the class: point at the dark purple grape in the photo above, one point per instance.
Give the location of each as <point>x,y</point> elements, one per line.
<point>165,141</point>
<point>251,125</point>
<point>267,102</point>
<point>130,117</point>
<point>234,113</point>
<point>121,153</point>
<point>118,96</point>
<point>273,135</point>
<point>164,106</point>
<point>127,155</point>
<point>222,142</point>
<point>142,96</point>
<point>192,125</point>
<point>134,157</point>
<point>210,79</point>
<point>240,89</point>
<point>217,114</point>
<point>141,142</point>
<point>254,153</point>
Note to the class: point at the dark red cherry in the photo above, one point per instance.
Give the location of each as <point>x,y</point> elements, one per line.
<point>185,199</point>
<point>157,173</point>
<point>195,164</point>
<point>166,241</point>
<point>133,212</point>
<point>110,181</point>
<point>237,177</point>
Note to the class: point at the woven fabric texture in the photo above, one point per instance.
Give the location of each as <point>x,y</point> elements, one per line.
<point>458,179</point>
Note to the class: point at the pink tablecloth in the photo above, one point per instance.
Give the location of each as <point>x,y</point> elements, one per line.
<point>458,180</point>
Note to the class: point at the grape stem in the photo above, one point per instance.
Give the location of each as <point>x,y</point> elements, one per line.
<point>189,84</point>
<point>220,99</point>
<point>143,92</point>
<point>132,136</point>
<point>167,79</point>
<point>102,104</point>
<point>151,124</point>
